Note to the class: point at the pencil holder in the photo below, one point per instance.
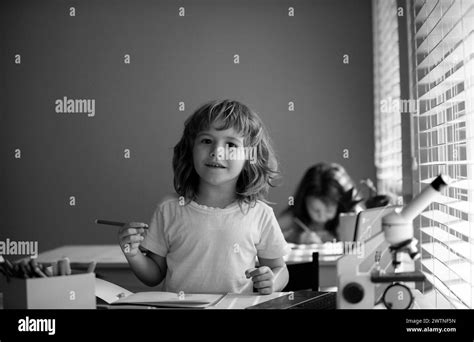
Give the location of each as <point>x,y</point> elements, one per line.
<point>75,291</point>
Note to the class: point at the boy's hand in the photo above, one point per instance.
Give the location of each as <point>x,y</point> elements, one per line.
<point>130,237</point>
<point>262,278</point>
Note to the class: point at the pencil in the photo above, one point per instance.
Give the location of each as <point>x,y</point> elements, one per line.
<point>219,300</point>
<point>39,272</point>
<point>91,267</point>
<point>120,224</point>
<point>49,271</point>
<point>301,224</point>
<point>110,223</point>
<point>64,266</point>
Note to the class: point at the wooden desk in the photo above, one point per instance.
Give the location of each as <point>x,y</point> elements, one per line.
<point>232,301</point>
<point>113,266</point>
<point>241,301</point>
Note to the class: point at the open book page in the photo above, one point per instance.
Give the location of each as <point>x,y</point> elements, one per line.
<point>109,292</point>
<point>170,299</point>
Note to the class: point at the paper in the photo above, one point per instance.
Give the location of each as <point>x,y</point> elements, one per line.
<point>109,292</point>
<point>115,295</point>
<point>170,299</point>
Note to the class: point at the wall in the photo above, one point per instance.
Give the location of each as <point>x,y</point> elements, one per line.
<point>173,59</point>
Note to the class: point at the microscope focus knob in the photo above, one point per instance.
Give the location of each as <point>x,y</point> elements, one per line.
<point>353,293</point>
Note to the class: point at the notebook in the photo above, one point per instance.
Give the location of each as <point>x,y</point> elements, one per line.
<point>170,299</point>
<point>115,296</point>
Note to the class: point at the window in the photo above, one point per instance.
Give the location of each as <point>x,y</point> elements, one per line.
<point>387,118</point>
<point>444,142</point>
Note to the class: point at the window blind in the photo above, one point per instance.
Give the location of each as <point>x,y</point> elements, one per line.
<point>387,118</point>
<point>444,137</point>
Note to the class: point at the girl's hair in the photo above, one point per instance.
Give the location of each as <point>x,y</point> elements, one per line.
<point>331,184</point>
<point>255,179</point>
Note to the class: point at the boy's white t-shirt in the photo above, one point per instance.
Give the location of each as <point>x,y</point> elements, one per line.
<point>208,250</point>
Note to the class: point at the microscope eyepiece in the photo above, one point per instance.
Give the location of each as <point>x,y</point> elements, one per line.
<point>440,182</point>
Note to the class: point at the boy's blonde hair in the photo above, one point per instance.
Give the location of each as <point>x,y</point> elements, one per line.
<point>255,179</point>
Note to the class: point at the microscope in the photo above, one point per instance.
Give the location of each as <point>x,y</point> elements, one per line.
<point>360,290</point>
<point>398,228</point>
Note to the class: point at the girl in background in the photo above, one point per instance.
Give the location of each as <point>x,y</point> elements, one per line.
<point>325,191</point>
